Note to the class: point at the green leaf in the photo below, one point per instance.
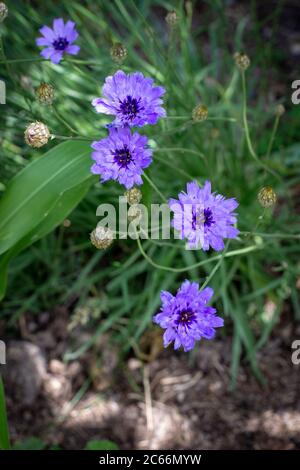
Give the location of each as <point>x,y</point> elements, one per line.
<point>63,202</point>
<point>4,434</point>
<point>101,445</point>
<point>38,189</point>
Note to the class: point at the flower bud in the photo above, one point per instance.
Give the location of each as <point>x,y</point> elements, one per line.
<point>200,113</point>
<point>133,196</point>
<point>279,110</point>
<point>134,213</point>
<point>242,61</point>
<point>118,53</point>
<point>3,11</point>
<point>102,237</point>
<point>267,197</point>
<point>215,133</point>
<point>171,19</point>
<point>37,134</point>
<point>45,93</point>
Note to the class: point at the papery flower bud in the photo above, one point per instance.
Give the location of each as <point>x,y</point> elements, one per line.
<point>3,11</point>
<point>171,19</point>
<point>267,197</point>
<point>134,213</point>
<point>37,134</point>
<point>102,237</point>
<point>200,113</point>
<point>67,223</point>
<point>133,196</point>
<point>118,53</point>
<point>242,61</point>
<point>279,110</point>
<point>45,93</point>
<point>215,133</point>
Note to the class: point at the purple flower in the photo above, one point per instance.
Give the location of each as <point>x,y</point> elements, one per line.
<point>121,156</point>
<point>204,218</point>
<point>132,98</point>
<point>186,316</point>
<point>58,40</point>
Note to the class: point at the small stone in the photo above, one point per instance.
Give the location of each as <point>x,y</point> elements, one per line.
<point>25,371</point>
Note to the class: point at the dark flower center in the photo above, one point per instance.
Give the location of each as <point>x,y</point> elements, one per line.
<point>203,218</point>
<point>123,157</point>
<point>60,44</point>
<point>130,107</point>
<point>185,317</point>
<point>208,217</point>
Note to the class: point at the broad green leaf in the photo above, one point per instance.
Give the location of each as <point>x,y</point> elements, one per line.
<point>35,191</point>
<point>64,205</point>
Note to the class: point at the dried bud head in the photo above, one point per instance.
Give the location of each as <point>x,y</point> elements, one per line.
<point>242,61</point>
<point>267,197</point>
<point>134,213</point>
<point>279,110</point>
<point>3,11</point>
<point>118,53</point>
<point>200,113</point>
<point>45,93</point>
<point>171,19</point>
<point>133,196</point>
<point>102,237</point>
<point>215,133</point>
<point>37,134</point>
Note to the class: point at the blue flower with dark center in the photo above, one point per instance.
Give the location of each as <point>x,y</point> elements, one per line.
<point>204,218</point>
<point>130,108</point>
<point>60,44</point>
<point>208,217</point>
<point>58,40</point>
<point>186,317</point>
<point>122,156</point>
<point>132,99</point>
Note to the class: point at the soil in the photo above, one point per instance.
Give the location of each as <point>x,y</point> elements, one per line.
<point>166,402</point>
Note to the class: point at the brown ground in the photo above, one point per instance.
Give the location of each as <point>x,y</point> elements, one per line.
<point>168,404</point>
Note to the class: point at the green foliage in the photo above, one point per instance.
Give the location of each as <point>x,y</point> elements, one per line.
<point>4,433</point>
<point>101,445</point>
<point>195,65</point>
<point>40,197</point>
<point>31,443</point>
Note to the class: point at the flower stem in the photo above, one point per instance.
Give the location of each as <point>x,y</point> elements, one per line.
<point>216,267</point>
<point>63,121</point>
<point>274,130</point>
<point>247,132</point>
<point>72,137</point>
<point>155,188</point>
<point>273,235</point>
<point>238,252</point>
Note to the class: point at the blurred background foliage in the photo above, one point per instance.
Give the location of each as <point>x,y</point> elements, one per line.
<point>118,290</point>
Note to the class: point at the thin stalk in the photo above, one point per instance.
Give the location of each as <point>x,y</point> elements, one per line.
<point>274,131</point>
<point>72,137</point>
<point>63,121</point>
<point>216,267</point>
<point>155,188</point>
<point>247,131</point>
<point>200,263</point>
